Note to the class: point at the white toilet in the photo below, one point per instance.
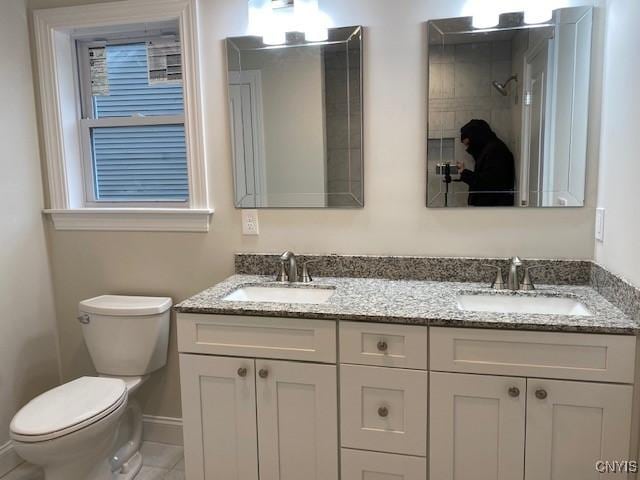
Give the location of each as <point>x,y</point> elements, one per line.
<point>72,431</point>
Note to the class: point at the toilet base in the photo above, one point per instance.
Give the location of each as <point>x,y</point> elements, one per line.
<point>131,468</point>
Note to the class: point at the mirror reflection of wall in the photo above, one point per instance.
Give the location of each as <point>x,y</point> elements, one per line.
<point>296,122</point>
<point>508,111</point>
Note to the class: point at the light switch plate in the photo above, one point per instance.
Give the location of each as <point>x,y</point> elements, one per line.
<point>250,224</point>
<point>600,224</point>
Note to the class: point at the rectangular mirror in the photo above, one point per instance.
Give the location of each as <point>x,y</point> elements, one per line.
<point>508,111</point>
<point>296,121</point>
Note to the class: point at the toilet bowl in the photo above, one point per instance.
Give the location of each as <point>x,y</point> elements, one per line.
<point>74,431</point>
<point>68,430</point>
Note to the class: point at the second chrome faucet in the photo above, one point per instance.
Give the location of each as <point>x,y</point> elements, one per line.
<point>513,278</point>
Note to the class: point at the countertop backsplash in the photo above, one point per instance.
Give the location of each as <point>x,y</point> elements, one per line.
<point>437,269</point>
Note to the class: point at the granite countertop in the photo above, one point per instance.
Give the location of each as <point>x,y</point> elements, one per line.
<point>414,302</point>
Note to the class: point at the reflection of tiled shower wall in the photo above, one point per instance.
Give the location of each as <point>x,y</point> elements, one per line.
<point>460,89</point>
<point>343,127</point>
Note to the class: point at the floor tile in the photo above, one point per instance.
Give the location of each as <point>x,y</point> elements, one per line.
<point>25,472</point>
<point>160,462</point>
<point>151,473</point>
<point>174,474</point>
<point>180,465</point>
<point>161,455</point>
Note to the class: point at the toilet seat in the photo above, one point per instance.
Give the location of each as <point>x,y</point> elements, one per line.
<point>68,408</point>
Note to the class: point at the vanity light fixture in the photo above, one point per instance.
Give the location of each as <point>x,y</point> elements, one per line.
<point>486,19</point>
<point>486,14</point>
<point>538,12</point>
<point>272,19</point>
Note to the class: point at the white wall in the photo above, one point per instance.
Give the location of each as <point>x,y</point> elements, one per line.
<point>394,220</point>
<point>28,344</point>
<point>620,159</point>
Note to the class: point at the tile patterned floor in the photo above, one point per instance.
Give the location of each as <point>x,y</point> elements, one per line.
<point>159,462</point>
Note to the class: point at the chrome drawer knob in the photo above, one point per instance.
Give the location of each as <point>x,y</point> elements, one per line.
<point>382,346</point>
<point>263,373</point>
<point>514,392</point>
<point>541,394</point>
<point>242,372</point>
<point>383,412</point>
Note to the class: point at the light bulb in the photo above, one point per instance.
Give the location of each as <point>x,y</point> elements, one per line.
<point>316,34</point>
<point>537,14</point>
<point>274,37</point>
<point>486,19</point>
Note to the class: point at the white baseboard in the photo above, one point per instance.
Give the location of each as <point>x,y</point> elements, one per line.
<point>9,459</point>
<point>162,429</point>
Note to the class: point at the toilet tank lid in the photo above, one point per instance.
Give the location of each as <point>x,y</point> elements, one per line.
<point>123,305</point>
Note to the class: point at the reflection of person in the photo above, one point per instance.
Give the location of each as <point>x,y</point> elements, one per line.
<point>492,181</point>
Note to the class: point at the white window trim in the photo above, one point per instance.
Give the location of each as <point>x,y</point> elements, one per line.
<point>61,115</point>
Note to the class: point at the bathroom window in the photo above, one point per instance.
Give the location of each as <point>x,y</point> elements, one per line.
<point>122,116</point>
<point>133,121</point>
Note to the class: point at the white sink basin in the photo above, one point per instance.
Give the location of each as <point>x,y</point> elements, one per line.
<point>280,295</point>
<point>522,304</point>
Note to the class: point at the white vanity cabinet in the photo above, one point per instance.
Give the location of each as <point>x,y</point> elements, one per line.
<point>255,418</point>
<point>490,426</point>
<point>267,398</point>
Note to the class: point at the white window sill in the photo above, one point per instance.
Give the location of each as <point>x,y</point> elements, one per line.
<point>132,219</point>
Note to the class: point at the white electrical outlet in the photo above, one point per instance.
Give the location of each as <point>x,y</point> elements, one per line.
<point>250,222</point>
<point>600,224</point>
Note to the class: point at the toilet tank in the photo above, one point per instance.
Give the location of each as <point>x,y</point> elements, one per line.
<point>126,335</point>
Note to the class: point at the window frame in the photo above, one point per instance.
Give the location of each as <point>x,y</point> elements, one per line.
<point>56,31</point>
<point>88,121</point>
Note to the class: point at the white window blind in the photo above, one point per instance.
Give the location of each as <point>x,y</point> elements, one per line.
<point>136,130</point>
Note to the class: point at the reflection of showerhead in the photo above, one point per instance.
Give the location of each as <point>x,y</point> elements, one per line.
<point>502,87</point>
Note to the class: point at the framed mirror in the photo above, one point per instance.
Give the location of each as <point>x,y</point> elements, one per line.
<point>296,121</point>
<point>508,111</point>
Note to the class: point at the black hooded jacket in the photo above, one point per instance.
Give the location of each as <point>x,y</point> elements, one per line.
<point>492,181</point>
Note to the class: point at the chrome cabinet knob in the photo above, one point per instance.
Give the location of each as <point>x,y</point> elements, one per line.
<point>514,392</point>
<point>541,394</point>
<point>84,319</point>
<point>242,372</point>
<point>383,412</point>
<point>383,346</point>
<point>263,373</point>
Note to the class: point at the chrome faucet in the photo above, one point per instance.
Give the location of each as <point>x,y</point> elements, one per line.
<point>513,281</point>
<point>292,267</point>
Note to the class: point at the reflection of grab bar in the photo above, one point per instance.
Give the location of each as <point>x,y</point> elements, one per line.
<point>129,449</point>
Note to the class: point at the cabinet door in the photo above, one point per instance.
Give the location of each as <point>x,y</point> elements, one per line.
<point>297,420</point>
<point>476,427</point>
<point>219,416</point>
<point>573,425</point>
<point>363,465</point>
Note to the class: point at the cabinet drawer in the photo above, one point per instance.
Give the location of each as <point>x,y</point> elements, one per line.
<point>384,409</point>
<point>261,337</point>
<point>384,345</point>
<point>381,466</point>
<point>579,356</point>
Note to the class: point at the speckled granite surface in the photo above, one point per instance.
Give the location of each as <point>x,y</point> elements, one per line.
<point>618,291</point>
<point>414,302</point>
<point>439,269</point>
